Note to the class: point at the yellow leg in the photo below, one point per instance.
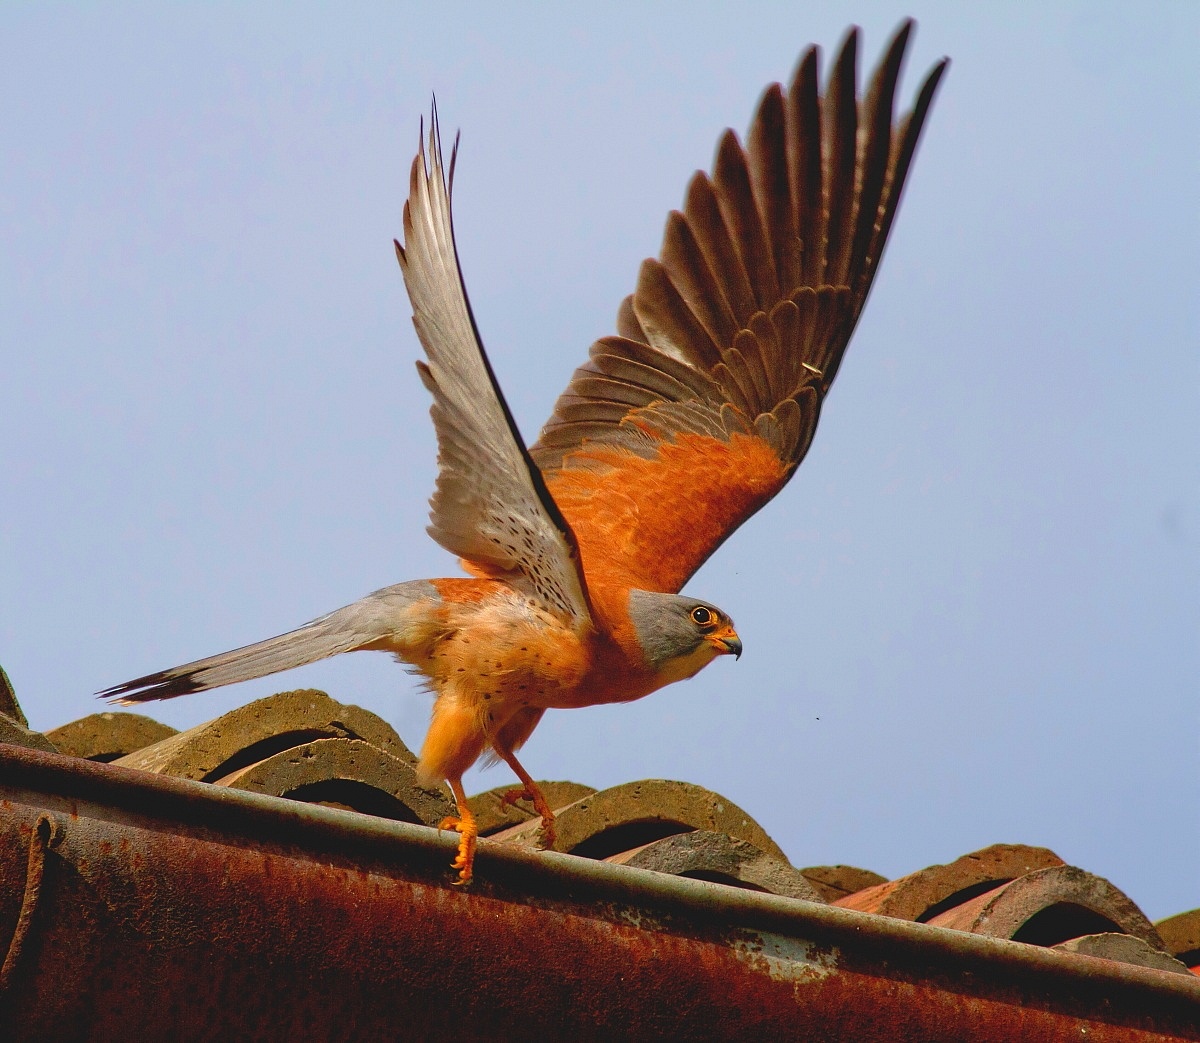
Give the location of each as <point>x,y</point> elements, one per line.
<point>529,791</point>
<point>468,831</point>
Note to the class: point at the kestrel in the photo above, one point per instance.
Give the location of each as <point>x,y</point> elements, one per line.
<point>674,432</point>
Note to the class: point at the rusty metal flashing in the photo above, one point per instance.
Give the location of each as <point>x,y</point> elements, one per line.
<point>165,908</point>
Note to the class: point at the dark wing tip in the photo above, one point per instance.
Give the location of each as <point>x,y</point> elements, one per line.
<point>848,51</point>
<point>453,163</point>
<point>903,31</point>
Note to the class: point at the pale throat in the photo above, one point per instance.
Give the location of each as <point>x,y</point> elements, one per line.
<point>680,668</point>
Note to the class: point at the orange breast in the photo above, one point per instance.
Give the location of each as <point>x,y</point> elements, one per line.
<point>501,653</point>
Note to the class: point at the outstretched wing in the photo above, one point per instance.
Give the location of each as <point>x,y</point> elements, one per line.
<point>491,506</point>
<point>680,428</point>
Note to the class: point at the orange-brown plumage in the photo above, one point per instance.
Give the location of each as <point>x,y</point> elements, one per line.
<point>649,521</point>
<point>676,430</point>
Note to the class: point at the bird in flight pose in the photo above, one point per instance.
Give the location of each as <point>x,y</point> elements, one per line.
<point>674,432</point>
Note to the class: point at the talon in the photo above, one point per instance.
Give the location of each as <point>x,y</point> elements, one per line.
<point>465,860</point>
<point>529,791</point>
<point>468,832</point>
<point>547,834</point>
<point>513,795</point>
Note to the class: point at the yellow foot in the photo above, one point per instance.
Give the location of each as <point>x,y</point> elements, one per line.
<point>465,860</point>
<point>546,834</point>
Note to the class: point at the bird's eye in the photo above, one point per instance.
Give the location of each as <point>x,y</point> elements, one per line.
<point>701,616</point>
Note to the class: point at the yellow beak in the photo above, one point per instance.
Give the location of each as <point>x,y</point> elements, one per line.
<point>727,642</point>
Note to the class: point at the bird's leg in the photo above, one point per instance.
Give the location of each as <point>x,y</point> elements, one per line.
<point>529,791</point>
<point>468,831</point>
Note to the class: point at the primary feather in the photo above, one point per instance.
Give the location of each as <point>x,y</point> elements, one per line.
<point>490,506</point>
<point>705,402</point>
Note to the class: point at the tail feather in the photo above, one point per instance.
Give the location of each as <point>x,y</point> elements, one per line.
<point>380,620</point>
<point>297,648</point>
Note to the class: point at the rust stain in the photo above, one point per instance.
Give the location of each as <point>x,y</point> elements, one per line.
<point>168,905</point>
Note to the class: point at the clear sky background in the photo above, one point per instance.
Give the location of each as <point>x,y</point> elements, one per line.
<point>974,615</point>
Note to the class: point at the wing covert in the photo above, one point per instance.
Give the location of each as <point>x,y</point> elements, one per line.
<point>697,413</point>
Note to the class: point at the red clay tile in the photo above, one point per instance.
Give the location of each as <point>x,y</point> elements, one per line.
<point>623,817</point>
<point>1181,933</point>
<point>260,729</point>
<point>834,882</point>
<point>108,735</point>
<point>922,895</point>
<point>1123,948</point>
<point>705,855</point>
<point>16,734</point>
<point>1050,906</point>
<point>346,773</point>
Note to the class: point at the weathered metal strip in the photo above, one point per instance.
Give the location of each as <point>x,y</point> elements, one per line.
<point>173,909</point>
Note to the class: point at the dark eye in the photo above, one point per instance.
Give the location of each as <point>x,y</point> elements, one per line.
<point>701,616</point>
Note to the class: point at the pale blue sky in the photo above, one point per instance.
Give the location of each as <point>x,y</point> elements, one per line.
<point>973,617</point>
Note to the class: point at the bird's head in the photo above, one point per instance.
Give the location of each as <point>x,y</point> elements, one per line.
<point>679,635</point>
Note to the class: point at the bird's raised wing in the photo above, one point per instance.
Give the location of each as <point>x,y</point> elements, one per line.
<point>491,506</point>
<point>680,428</point>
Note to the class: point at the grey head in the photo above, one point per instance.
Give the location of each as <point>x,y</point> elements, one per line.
<point>679,635</point>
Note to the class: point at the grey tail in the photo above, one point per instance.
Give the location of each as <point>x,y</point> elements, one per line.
<point>319,639</point>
